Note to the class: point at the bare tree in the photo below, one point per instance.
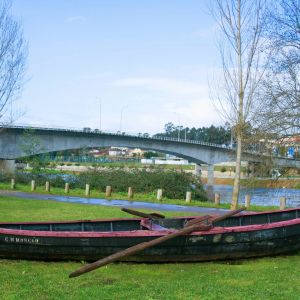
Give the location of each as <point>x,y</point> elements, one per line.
<point>13,53</point>
<point>281,94</point>
<point>241,50</point>
<point>282,87</point>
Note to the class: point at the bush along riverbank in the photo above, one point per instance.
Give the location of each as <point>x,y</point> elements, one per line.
<point>174,184</point>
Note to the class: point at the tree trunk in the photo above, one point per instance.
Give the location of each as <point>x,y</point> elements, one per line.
<point>240,120</point>
<point>244,58</point>
<point>237,177</point>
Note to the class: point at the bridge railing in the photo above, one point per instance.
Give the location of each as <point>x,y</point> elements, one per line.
<point>106,132</point>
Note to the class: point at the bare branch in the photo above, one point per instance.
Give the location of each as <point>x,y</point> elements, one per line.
<point>13,53</point>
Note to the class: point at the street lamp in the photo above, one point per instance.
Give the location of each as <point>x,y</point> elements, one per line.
<point>121,116</point>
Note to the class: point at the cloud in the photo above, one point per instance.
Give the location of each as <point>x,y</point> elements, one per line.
<point>181,102</point>
<point>162,84</point>
<point>199,112</point>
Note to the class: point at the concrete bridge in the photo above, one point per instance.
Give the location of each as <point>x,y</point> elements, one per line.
<point>58,139</point>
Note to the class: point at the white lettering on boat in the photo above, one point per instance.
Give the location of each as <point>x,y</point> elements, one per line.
<point>217,238</point>
<point>229,239</point>
<point>196,239</point>
<point>21,240</point>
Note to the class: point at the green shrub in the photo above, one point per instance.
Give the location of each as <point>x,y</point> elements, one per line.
<point>5,177</point>
<point>174,184</point>
<point>56,180</point>
<point>223,169</point>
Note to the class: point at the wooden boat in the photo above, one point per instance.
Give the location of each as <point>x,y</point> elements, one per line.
<point>248,235</point>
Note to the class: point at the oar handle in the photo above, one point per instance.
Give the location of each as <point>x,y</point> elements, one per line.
<point>228,215</point>
<point>151,216</point>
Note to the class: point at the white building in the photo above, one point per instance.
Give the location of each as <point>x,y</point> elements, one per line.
<point>165,161</point>
<point>117,151</point>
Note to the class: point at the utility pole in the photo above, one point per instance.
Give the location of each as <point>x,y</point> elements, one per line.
<point>121,116</point>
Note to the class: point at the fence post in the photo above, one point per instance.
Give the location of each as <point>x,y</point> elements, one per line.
<point>282,203</point>
<point>108,191</point>
<point>87,189</point>
<point>217,199</point>
<point>247,201</point>
<point>188,197</point>
<point>159,194</point>
<point>12,184</point>
<point>32,185</point>
<point>67,188</point>
<point>130,192</point>
<point>47,186</point>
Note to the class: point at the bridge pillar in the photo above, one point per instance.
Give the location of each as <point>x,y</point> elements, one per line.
<point>210,182</point>
<point>210,174</point>
<point>197,171</point>
<point>251,169</point>
<point>7,165</point>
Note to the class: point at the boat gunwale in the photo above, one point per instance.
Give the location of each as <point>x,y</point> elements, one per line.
<point>70,221</point>
<point>138,219</point>
<point>146,233</point>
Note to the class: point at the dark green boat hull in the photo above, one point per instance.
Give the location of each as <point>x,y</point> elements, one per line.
<point>252,235</point>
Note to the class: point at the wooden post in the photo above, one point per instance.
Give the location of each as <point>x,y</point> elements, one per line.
<point>217,199</point>
<point>32,185</point>
<point>108,191</point>
<point>247,201</point>
<point>130,192</point>
<point>188,197</point>
<point>87,190</point>
<point>47,186</point>
<point>12,184</point>
<point>282,203</point>
<point>67,188</point>
<point>159,194</point>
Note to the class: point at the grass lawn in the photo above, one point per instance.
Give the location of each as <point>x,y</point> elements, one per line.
<point>149,197</point>
<point>265,278</point>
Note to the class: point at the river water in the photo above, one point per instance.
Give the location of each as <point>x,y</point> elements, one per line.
<point>260,196</point>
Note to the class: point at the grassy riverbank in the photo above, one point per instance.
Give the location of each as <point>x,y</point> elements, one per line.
<point>149,197</point>
<point>265,278</point>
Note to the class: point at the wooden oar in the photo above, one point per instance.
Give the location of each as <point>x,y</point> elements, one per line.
<point>142,246</point>
<point>151,216</point>
<point>197,220</point>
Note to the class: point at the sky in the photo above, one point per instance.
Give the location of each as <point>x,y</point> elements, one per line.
<point>129,65</point>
